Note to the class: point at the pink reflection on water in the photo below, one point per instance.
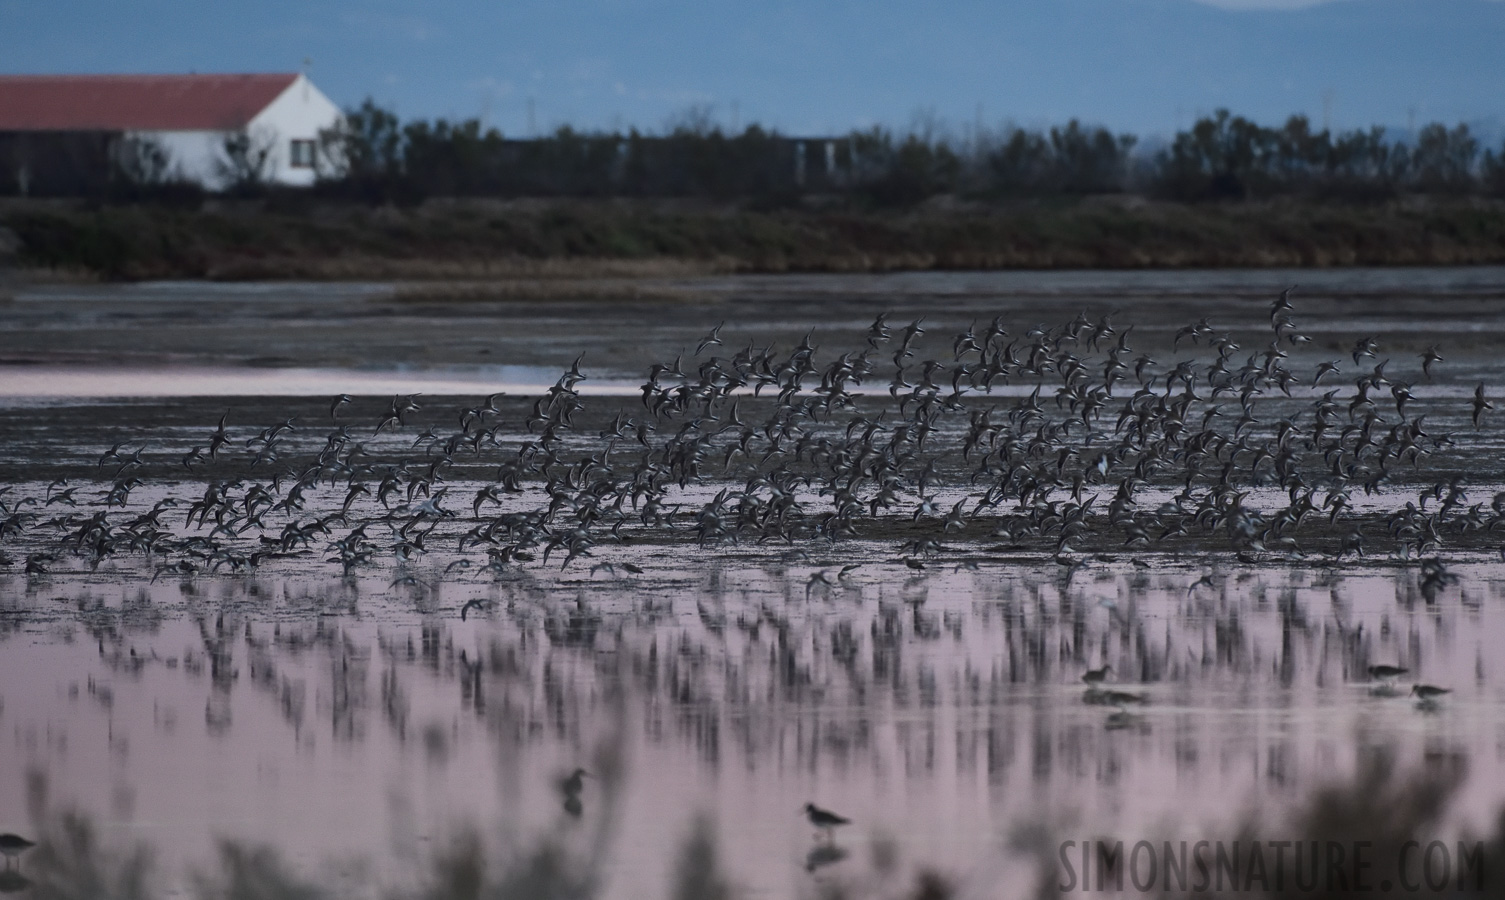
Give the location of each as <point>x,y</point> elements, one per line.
<point>52,381</point>
<point>943,710</point>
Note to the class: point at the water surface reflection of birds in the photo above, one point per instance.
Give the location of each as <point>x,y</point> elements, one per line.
<point>822,855</point>
<point>1428,694</point>
<point>13,882</point>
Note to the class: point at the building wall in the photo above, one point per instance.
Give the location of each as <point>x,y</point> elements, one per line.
<point>54,163</point>
<point>299,113</point>
<point>195,154</point>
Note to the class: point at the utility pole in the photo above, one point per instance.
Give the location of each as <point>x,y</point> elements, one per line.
<point>532,121</point>
<point>1327,109</point>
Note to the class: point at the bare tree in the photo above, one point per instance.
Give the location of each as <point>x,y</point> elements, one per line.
<point>245,159</point>
<point>143,161</point>
<point>696,120</point>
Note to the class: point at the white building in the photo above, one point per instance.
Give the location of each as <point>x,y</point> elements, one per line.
<point>208,125</point>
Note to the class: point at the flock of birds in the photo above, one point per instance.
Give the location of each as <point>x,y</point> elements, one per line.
<point>1236,455</point>
<point>1063,440</point>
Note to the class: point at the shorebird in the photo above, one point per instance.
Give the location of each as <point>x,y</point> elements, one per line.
<point>1387,673</point>
<point>824,819</point>
<point>1364,347</point>
<point>1428,692</point>
<point>1095,677</point>
<point>571,787</point>
<point>818,578</point>
<point>339,401</point>
<point>1481,403</point>
<point>711,340</point>
<point>575,783</point>
<point>13,845</point>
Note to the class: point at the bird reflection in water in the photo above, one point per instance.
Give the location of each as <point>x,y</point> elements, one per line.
<point>822,855</point>
<point>825,820</point>
<point>13,882</point>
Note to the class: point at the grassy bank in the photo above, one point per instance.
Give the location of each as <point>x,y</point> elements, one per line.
<point>299,239</point>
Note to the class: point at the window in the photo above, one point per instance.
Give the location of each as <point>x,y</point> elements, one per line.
<point>302,155</point>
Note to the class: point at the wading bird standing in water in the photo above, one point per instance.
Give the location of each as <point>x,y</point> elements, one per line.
<point>12,846</point>
<point>1096,677</point>
<point>824,819</point>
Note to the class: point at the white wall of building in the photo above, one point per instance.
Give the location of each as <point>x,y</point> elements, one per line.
<point>300,112</point>
<point>193,154</point>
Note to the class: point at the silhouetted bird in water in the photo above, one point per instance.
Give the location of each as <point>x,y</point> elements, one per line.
<point>1387,673</point>
<point>1429,693</point>
<point>824,819</point>
<point>12,846</point>
<point>571,788</point>
<point>575,783</point>
<point>1096,676</point>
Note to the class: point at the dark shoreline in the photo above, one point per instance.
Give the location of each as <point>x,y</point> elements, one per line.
<point>293,237</point>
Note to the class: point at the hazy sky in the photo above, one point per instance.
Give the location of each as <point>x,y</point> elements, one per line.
<point>815,66</point>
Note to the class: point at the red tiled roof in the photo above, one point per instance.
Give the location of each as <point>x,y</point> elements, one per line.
<point>135,102</point>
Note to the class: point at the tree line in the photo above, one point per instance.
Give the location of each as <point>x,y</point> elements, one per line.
<point>375,155</point>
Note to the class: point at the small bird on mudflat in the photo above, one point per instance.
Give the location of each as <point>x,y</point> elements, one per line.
<point>1387,673</point>
<point>1429,691</point>
<point>1096,676</point>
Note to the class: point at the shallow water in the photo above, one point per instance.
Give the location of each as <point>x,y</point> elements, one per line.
<point>341,719</point>
<point>366,328</point>
<point>52,382</point>
<point>944,711</point>
<point>361,724</point>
